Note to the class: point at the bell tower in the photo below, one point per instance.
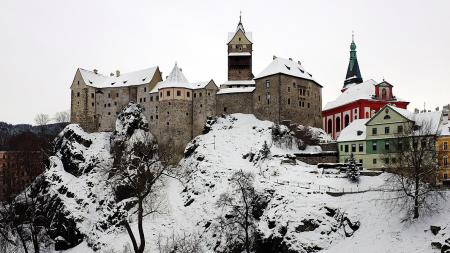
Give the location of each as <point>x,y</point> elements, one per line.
<point>240,54</point>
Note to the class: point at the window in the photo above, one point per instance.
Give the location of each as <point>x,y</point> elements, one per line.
<point>374,161</point>
<point>224,109</point>
<point>399,145</point>
<point>259,98</point>
<point>109,95</point>
<point>188,94</point>
<point>361,147</point>
<point>289,89</point>
<point>168,93</point>
<point>200,94</point>
<point>387,146</point>
<point>109,104</point>
<point>115,103</point>
<point>445,145</point>
<point>386,130</point>
<point>267,84</point>
<point>109,113</point>
<point>445,176</point>
<point>342,147</point>
<point>160,94</point>
<point>167,123</point>
<point>346,120</point>
<point>309,105</point>
<point>92,104</point>
<point>145,100</point>
<point>374,146</point>
<point>288,101</point>
<point>92,95</point>
<point>374,131</point>
<point>387,116</point>
<point>145,89</point>
<point>78,94</point>
<point>386,161</point>
<point>151,117</point>
<point>156,116</point>
<point>346,148</point>
<point>399,129</point>
<point>151,98</point>
<point>209,93</point>
<point>117,94</point>
<point>394,160</point>
<point>360,161</point>
<point>445,161</point>
<point>353,148</point>
<point>140,100</point>
<point>178,93</point>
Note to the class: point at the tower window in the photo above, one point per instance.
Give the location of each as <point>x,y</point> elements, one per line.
<point>289,89</point>
<point>188,94</point>
<point>109,95</point>
<point>92,95</point>
<point>117,94</point>
<point>151,98</point>
<point>195,95</point>
<point>168,93</point>
<point>267,84</point>
<point>178,93</point>
<point>224,109</point>
<point>160,94</point>
<point>78,94</point>
<point>288,101</point>
<point>145,89</point>
<point>259,98</point>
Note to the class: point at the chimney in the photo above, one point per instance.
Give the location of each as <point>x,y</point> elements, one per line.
<point>274,57</point>
<point>416,110</point>
<point>96,71</point>
<point>117,73</point>
<point>437,108</point>
<point>299,63</point>
<point>290,59</point>
<point>111,74</point>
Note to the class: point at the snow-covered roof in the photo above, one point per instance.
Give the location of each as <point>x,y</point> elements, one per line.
<point>127,79</point>
<point>353,93</point>
<point>249,36</point>
<point>176,79</point>
<point>356,131</point>
<point>236,90</point>
<point>285,66</point>
<point>431,119</point>
<point>444,129</point>
<point>239,54</point>
<point>239,82</point>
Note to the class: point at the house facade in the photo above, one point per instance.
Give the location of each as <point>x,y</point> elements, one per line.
<point>443,147</point>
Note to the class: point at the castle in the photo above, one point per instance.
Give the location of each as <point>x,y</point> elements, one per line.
<point>177,109</point>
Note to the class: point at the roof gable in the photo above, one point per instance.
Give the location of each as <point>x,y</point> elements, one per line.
<point>246,37</point>
<point>389,114</point>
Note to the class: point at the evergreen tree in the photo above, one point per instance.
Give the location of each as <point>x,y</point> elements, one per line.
<point>352,169</point>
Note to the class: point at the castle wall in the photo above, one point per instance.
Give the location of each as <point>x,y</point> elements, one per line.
<point>266,98</point>
<point>82,104</point>
<point>204,106</point>
<point>300,101</point>
<point>175,125</point>
<point>234,103</point>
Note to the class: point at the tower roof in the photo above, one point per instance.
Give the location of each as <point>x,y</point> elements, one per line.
<point>353,72</point>
<point>176,75</point>
<point>240,27</point>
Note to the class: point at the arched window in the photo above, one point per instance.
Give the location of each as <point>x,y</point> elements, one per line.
<point>346,120</point>
<point>338,124</point>
<point>367,115</point>
<point>383,94</point>
<point>330,126</point>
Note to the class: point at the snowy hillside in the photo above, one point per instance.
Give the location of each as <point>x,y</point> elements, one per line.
<point>296,214</point>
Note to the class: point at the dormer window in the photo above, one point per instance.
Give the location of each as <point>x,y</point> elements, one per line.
<point>113,83</point>
<point>359,132</point>
<point>90,82</point>
<point>125,81</point>
<point>387,116</point>
<point>144,79</point>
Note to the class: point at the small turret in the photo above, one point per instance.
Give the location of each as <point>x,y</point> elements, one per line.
<point>353,72</point>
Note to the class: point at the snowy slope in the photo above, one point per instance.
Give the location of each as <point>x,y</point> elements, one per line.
<point>299,216</point>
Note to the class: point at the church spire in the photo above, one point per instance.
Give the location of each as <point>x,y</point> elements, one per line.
<point>240,26</point>
<point>353,72</point>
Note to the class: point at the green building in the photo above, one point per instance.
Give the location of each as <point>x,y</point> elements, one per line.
<point>370,140</point>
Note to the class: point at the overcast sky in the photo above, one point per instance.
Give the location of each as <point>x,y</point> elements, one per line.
<point>42,43</point>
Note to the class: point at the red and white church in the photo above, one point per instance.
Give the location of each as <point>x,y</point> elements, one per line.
<point>359,99</point>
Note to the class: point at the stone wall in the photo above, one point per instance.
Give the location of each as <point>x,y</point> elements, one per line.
<point>282,97</point>
<point>314,159</point>
<point>204,106</point>
<point>234,103</point>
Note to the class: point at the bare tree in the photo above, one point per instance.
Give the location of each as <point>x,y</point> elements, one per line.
<point>239,224</point>
<point>414,166</point>
<point>62,117</point>
<point>137,177</point>
<point>185,243</point>
<point>41,119</point>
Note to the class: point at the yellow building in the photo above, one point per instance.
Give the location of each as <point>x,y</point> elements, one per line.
<point>443,147</point>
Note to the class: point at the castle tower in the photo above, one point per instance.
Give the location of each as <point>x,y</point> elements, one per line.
<point>240,54</point>
<point>353,73</point>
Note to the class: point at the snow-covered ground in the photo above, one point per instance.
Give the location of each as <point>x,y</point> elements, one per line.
<point>297,193</point>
